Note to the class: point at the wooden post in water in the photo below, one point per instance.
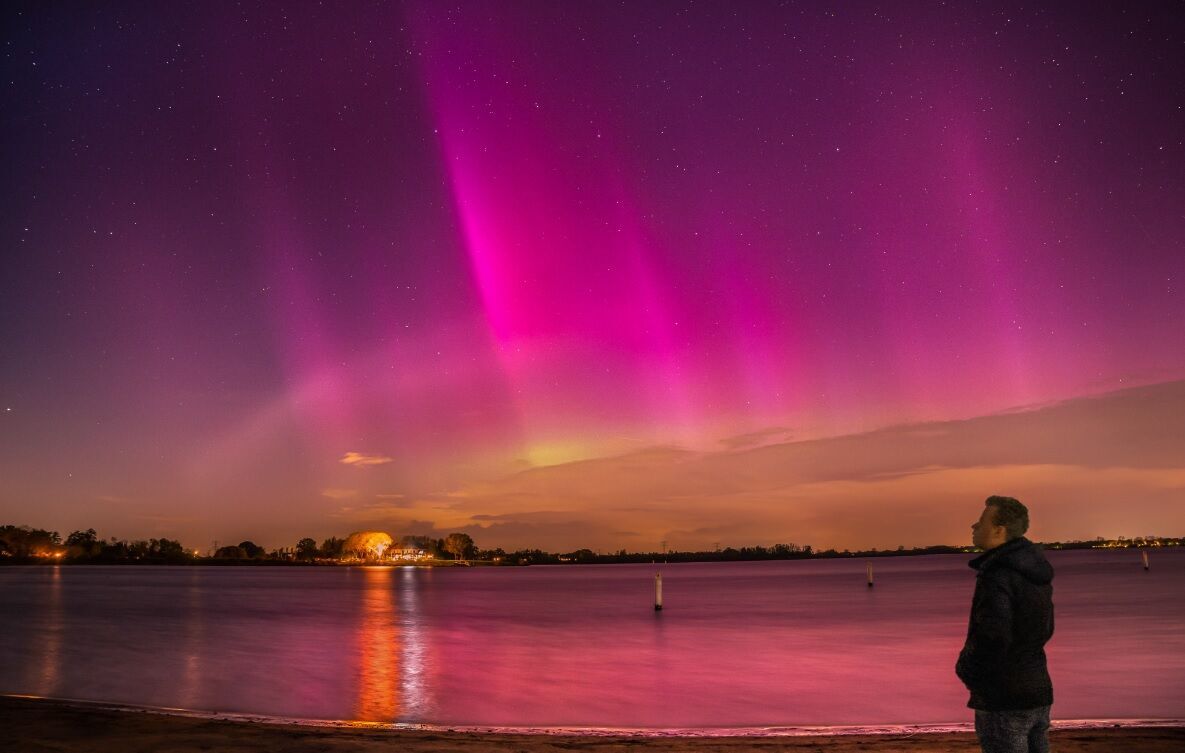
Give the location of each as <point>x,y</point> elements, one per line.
<point>658,592</point>
<point>868,569</point>
<point>1144,554</point>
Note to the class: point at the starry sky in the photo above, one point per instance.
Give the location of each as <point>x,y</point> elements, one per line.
<point>596,275</point>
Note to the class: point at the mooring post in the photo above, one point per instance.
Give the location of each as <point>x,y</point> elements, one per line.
<point>868,568</point>
<point>1145,556</point>
<point>658,592</point>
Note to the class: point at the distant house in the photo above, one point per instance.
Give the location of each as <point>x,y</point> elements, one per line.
<point>406,553</point>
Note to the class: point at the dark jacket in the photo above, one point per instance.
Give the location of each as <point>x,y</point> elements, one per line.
<point>1003,660</point>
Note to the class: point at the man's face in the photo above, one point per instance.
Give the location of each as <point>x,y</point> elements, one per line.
<point>985,534</point>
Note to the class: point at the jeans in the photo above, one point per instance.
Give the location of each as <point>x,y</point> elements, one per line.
<point>1025,731</point>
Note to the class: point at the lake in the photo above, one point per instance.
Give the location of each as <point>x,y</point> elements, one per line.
<point>750,644</point>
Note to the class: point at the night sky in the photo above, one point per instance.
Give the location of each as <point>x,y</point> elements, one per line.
<point>596,275</point>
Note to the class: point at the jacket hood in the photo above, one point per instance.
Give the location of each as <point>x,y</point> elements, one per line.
<point>1020,555</point>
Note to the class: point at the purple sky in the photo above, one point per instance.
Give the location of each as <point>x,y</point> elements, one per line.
<point>553,273</point>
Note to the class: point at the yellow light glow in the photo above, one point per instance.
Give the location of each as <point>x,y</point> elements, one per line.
<point>557,453</point>
<point>367,545</point>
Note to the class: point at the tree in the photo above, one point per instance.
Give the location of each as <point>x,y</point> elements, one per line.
<point>534,557</point>
<point>169,549</point>
<point>252,549</point>
<point>113,550</point>
<point>459,545</point>
<point>306,549</point>
<point>494,555</point>
<point>432,547</point>
<point>332,547</point>
<point>23,541</point>
<point>82,538</point>
<point>367,545</point>
<point>83,543</point>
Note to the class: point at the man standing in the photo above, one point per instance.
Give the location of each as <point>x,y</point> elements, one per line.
<point>1003,660</point>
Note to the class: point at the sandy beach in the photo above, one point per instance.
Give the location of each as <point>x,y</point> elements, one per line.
<point>36,726</point>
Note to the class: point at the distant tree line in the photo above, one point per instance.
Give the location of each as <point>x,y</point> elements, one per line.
<point>457,546</point>
<point>24,543</point>
<point>589,557</point>
<point>21,544</point>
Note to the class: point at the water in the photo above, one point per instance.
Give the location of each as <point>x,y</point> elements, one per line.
<point>738,644</point>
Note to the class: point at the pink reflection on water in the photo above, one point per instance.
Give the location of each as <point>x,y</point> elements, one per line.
<point>745,645</point>
<point>737,645</point>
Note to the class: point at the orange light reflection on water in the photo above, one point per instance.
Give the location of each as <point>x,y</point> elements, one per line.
<point>378,649</point>
<point>51,649</point>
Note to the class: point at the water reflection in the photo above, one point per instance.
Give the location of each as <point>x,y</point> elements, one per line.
<point>195,636</point>
<point>414,648</point>
<point>764,643</point>
<point>51,634</point>
<point>378,643</point>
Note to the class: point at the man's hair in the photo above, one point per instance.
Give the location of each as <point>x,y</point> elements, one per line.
<point>1011,514</point>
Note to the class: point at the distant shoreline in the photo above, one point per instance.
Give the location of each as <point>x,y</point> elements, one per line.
<point>605,559</point>
<point>47,724</point>
<point>217,562</point>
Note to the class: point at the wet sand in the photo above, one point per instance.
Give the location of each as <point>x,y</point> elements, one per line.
<point>36,726</point>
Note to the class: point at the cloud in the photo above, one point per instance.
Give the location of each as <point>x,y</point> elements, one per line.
<point>360,460</point>
<point>753,438</point>
<point>387,502</point>
<point>395,511</point>
<point>339,493</point>
<point>1106,465</point>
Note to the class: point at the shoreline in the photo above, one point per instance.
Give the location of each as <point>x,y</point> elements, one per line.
<point>803,730</point>
<point>638,558</point>
<point>44,724</point>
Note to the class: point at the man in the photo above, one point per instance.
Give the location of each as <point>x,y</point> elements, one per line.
<point>1003,660</point>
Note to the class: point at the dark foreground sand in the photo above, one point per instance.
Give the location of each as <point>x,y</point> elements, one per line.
<point>33,726</point>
